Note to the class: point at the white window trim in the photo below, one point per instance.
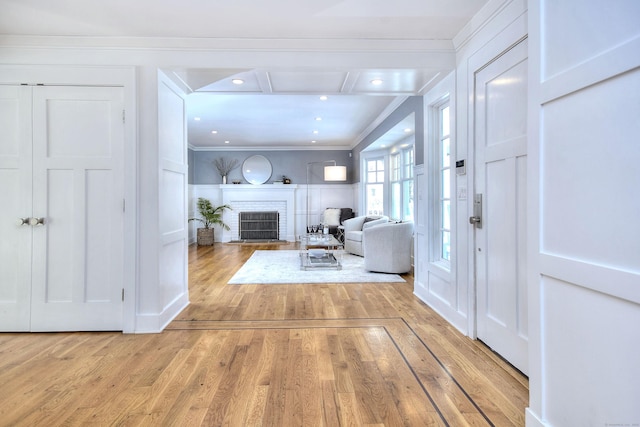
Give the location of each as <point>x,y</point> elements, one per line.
<point>374,156</point>
<point>385,154</point>
<point>435,247</point>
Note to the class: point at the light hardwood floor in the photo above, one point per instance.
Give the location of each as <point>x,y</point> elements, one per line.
<point>265,355</point>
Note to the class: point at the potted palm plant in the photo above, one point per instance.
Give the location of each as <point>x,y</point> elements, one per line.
<point>209,216</point>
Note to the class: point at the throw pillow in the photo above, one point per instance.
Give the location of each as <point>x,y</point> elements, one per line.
<point>346,213</point>
<point>332,217</point>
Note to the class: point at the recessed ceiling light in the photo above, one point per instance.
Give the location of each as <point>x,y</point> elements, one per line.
<point>317,119</point>
<point>324,98</point>
<point>407,130</point>
<point>214,132</point>
<point>197,119</point>
<point>315,132</point>
<point>226,142</point>
<point>313,142</point>
<point>376,82</point>
<point>383,146</point>
<point>237,81</point>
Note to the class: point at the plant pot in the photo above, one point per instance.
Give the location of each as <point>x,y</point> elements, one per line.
<point>205,236</point>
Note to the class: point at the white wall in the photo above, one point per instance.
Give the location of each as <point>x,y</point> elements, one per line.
<point>173,290</point>
<point>584,230</point>
<point>433,283</point>
<point>322,196</point>
<point>452,294</point>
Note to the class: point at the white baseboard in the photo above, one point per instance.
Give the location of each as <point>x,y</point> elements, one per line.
<point>155,323</point>
<point>532,420</point>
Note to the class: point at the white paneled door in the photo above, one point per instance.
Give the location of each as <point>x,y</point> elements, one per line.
<point>65,155</point>
<point>15,208</point>
<point>500,177</point>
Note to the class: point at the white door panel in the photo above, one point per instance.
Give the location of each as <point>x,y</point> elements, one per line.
<point>15,183</point>
<point>500,165</point>
<point>78,190</point>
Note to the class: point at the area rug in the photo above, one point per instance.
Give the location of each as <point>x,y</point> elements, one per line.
<point>270,267</point>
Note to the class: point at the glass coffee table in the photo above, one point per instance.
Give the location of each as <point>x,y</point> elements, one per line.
<point>320,251</point>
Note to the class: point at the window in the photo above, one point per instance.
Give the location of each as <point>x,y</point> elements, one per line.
<point>442,169</point>
<point>402,184</point>
<point>407,184</point>
<point>396,197</point>
<point>374,198</point>
<point>387,170</point>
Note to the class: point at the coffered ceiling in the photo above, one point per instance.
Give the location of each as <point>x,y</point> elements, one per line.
<point>274,108</point>
<point>287,109</point>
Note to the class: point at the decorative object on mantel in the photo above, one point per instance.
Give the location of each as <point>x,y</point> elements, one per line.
<point>256,169</point>
<point>237,181</point>
<point>225,166</point>
<point>209,216</point>
<point>286,180</point>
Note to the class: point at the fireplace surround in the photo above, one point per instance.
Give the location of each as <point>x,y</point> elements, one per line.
<point>260,198</point>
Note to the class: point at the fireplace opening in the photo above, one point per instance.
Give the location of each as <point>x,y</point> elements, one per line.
<point>259,226</point>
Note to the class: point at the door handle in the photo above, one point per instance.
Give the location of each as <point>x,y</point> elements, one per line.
<point>23,221</point>
<point>476,219</point>
<point>36,221</point>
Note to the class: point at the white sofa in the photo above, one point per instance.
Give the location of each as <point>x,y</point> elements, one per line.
<point>387,247</point>
<point>353,229</point>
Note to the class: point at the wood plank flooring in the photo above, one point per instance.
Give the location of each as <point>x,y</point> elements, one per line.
<point>265,355</point>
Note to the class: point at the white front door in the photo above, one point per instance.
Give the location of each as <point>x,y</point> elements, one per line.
<point>75,202</point>
<point>500,177</point>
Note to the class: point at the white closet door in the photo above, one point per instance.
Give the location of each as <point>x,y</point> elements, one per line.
<point>78,193</point>
<point>15,203</point>
<point>501,159</point>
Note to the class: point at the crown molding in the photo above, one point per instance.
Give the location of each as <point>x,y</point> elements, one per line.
<point>480,20</point>
<point>229,44</point>
<point>273,148</point>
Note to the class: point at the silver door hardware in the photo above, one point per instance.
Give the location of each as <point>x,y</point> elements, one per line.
<point>476,219</point>
<point>23,221</point>
<point>36,221</point>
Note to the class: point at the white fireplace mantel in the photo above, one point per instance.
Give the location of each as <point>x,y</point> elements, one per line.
<point>249,197</point>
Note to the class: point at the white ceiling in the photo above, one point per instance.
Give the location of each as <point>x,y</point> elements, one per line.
<point>274,108</point>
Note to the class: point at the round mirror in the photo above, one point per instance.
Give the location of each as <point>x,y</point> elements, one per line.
<point>256,169</point>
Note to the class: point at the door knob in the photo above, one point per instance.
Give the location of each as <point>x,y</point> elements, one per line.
<point>474,220</point>
<point>36,221</point>
<point>23,221</point>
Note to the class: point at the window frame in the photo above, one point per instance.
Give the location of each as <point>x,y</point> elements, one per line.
<point>440,170</point>
<point>378,157</point>
<point>394,174</point>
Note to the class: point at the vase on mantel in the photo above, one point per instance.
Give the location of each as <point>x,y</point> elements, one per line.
<point>224,179</point>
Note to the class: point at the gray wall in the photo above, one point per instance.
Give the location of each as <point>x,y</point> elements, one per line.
<point>190,159</point>
<point>292,164</point>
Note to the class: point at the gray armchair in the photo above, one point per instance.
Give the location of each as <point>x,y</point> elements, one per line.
<point>387,247</point>
<point>353,229</point>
